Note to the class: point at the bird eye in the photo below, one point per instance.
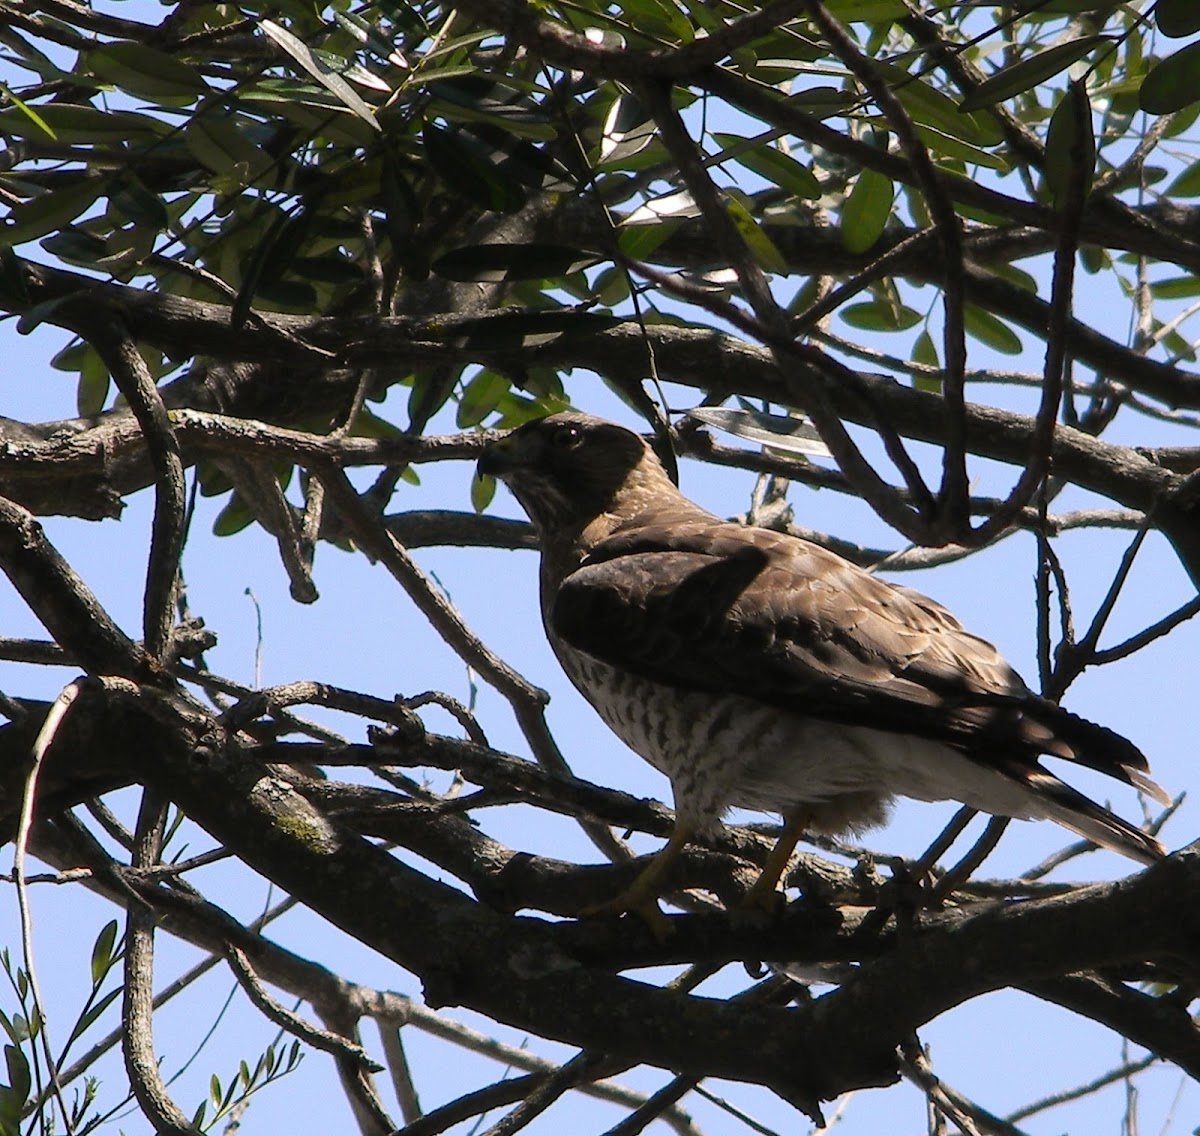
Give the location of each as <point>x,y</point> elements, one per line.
<point>567,437</point>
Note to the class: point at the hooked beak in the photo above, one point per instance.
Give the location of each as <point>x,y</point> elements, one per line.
<point>498,457</point>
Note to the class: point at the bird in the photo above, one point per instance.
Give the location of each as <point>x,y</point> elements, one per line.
<point>759,670</point>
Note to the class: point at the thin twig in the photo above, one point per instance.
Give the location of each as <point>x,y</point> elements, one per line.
<point>133,377</point>
<point>528,701</point>
<point>954,493</point>
<point>402,1079</point>
<point>145,1077</point>
<point>965,868</point>
<point>41,745</point>
<point>293,1023</point>
<point>1078,1092</point>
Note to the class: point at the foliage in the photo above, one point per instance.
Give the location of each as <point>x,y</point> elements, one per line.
<point>259,220</point>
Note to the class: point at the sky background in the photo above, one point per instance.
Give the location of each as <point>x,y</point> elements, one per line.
<point>363,634</point>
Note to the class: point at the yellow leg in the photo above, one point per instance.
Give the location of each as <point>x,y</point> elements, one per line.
<point>763,896</point>
<point>641,896</point>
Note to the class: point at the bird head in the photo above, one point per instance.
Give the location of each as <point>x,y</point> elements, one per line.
<point>568,469</point>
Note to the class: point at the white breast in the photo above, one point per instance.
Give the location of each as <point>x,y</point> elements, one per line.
<point>723,750</point>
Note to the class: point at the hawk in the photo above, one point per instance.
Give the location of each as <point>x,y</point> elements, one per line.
<point>760,670</point>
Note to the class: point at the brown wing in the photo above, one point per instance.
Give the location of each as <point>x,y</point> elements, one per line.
<point>702,604</point>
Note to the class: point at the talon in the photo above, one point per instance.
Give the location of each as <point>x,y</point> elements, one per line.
<point>627,903</point>
<point>763,899</point>
<point>640,898</point>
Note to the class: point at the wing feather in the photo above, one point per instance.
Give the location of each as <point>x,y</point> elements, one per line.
<point>693,602</point>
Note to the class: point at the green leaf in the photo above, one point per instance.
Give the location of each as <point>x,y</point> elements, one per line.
<point>821,102</point>
<point>867,11</point>
<point>876,315</point>
<point>364,32</point>
<point>368,424</point>
<point>325,75</point>
<point>938,142</point>
<point>50,211</point>
<point>773,165</point>
<point>475,98</point>
<point>1176,288</point>
<point>272,253</point>
<point>75,124</point>
<point>76,246</point>
<point>461,165</point>
<point>213,480</point>
<point>1063,7</point>
<point>1177,18</point>
<point>990,330</point>
<point>31,114</point>
<point>865,212</point>
<point>1173,83</point>
<point>328,269</point>
<point>928,106</point>
<point>1187,184</point>
<point>93,1014</point>
<point>628,129</point>
<point>1039,67</point>
<point>128,194</point>
<point>145,71</point>
<point>761,247</point>
<point>658,18</point>
<point>236,516</point>
<point>220,144</point>
<point>499,262</point>
<point>513,330</point>
<point>1070,147</point>
<point>779,431</point>
<point>19,1079</point>
<point>102,952</point>
<point>483,489</point>
<point>925,352</point>
<point>92,392</point>
<point>479,398</point>
<point>639,240</point>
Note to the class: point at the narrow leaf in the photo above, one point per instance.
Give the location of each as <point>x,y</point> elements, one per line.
<point>761,247</point>
<point>102,951</point>
<point>1174,83</point>
<point>145,71</point>
<point>50,211</point>
<point>988,329</point>
<point>483,489</point>
<point>627,130</point>
<point>221,145</point>
<point>463,168</point>
<point>19,1079</point>
<point>795,435</point>
<point>1177,18</point>
<point>1187,184</point>
<point>1039,67</point>
<point>876,315</point>
<point>498,262</point>
<point>326,76</point>
<point>774,165</point>
<point>865,212</point>
<point>1070,146</point>
<point>479,398</point>
<point>75,124</point>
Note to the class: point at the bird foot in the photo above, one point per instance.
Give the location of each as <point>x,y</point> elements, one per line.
<point>760,905</point>
<point>640,907</point>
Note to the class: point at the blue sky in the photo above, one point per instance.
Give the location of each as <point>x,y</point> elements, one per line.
<point>364,635</point>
